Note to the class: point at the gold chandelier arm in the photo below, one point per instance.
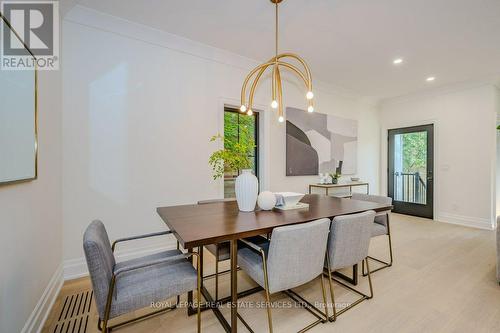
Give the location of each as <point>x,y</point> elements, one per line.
<point>304,64</point>
<point>273,81</point>
<point>276,77</point>
<point>297,71</point>
<point>280,92</point>
<point>254,84</point>
<point>262,68</point>
<point>299,59</point>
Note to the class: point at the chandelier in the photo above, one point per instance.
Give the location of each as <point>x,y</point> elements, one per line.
<point>276,64</point>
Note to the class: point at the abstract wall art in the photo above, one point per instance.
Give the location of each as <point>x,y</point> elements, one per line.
<point>316,143</point>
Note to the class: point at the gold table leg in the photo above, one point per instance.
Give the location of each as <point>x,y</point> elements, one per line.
<point>234,285</point>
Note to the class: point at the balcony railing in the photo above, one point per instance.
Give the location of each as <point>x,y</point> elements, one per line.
<point>410,187</point>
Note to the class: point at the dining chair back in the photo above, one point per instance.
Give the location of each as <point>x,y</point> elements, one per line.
<point>380,216</point>
<point>348,245</point>
<point>381,227</point>
<point>100,262</point>
<point>349,239</point>
<point>296,254</point>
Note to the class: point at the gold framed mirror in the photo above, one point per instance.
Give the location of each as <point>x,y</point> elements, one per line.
<point>18,118</point>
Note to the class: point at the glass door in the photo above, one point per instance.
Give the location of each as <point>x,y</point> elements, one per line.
<point>410,172</point>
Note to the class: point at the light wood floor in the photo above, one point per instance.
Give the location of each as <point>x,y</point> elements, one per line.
<point>443,280</point>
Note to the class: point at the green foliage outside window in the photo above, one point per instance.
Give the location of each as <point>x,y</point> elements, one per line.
<point>239,145</point>
<point>415,152</point>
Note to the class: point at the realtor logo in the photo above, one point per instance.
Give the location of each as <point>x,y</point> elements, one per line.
<point>33,26</point>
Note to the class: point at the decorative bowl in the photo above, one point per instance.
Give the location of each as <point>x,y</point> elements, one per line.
<point>291,198</point>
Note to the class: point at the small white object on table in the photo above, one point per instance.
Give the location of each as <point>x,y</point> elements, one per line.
<point>266,200</point>
<point>289,200</point>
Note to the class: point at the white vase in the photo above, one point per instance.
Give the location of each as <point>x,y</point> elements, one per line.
<point>247,189</point>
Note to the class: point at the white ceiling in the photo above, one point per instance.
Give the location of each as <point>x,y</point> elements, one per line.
<point>347,43</point>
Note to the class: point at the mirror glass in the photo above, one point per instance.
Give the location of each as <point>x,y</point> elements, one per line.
<point>18,139</point>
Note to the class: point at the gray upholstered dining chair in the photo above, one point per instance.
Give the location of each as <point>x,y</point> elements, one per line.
<point>220,251</point>
<point>123,287</point>
<point>294,256</point>
<point>381,226</point>
<point>348,244</point>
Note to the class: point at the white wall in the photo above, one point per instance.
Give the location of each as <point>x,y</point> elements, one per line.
<point>139,108</point>
<point>30,224</point>
<point>465,145</point>
<point>497,193</point>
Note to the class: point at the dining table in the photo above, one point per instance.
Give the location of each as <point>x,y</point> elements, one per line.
<point>196,226</point>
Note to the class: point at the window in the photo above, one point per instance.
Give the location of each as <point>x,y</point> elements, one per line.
<point>234,121</point>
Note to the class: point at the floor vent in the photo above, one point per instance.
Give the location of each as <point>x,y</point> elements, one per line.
<point>74,315</point>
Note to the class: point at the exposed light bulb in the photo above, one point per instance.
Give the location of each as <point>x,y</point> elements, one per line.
<point>310,108</point>
<point>243,108</point>
<point>281,119</point>
<point>430,79</point>
<point>309,95</point>
<point>274,104</point>
<point>397,61</point>
<point>250,112</point>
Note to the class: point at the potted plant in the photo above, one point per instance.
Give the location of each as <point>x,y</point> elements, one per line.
<point>335,177</point>
<point>234,157</point>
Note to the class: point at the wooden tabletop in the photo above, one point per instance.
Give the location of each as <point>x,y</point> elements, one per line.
<point>339,185</point>
<point>198,225</point>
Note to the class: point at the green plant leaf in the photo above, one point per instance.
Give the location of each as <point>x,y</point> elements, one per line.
<point>236,153</point>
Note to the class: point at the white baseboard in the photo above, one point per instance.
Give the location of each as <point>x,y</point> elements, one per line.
<point>41,311</point>
<point>77,268</point>
<point>466,221</point>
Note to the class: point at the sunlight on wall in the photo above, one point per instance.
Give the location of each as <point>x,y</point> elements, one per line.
<point>108,162</point>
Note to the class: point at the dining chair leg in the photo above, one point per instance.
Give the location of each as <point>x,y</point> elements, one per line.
<point>233,255</point>
<point>369,278</point>
<point>390,241</point>
<point>268,295</point>
<point>321,315</point>
<point>198,293</point>
<point>358,301</point>
<point>384,263</point>
<point>325,302</point>
<point>107,309</point>
<point>217,274</point>
<point>334,310</point>
<point>105,324</point>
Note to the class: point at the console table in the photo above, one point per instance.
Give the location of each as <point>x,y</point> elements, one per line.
<point>350,185</point>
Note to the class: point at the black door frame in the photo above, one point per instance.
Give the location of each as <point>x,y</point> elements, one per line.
<point>408,208</point>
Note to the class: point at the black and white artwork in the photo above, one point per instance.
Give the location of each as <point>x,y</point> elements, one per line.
<point>319,143</point>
